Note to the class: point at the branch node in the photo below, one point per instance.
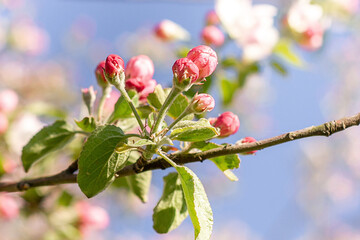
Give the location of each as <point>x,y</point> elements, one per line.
<point>22,186</point>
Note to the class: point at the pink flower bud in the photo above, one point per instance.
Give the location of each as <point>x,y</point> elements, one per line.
<point>167,30</point>
<point>205,59</point>
<point>212,18</point>
<point>89,97</point>
<point>312,38</point>
<point>142,87</point>
<point>92,216</point>
<point>114,65</point>
<point>247,140</point>
<point>203,103</point>
<point>8,100</point>
<point>185,72</point>
<point>140,67</point>
<point>212,35</point>
<point>4,124</point>
<point>9,208</point>
<point>100,77</point>
<point>228,123</point>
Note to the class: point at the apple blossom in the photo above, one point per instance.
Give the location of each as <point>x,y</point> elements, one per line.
<point>205,59</point>
<point>140,67</point>
<point>167,30</point>
<point>251,26</point>
<point>100,77</point>
<point>247,140</point>
<point>185,72</point>
<point>228,123</point>
<point>114,65</point>
<point>212,18</point>
<point>212,35</point>
<point>9,208</point>
<point>202,103</point>
<point>8,100</point>
<point>91,217</point>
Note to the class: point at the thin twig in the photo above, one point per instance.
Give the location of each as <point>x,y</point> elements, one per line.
<point>68,176</point>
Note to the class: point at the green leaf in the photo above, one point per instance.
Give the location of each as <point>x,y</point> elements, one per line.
<point>141,142</point>
<point>283,50</point>
<point>171,209</point>
<point>144,111</point>
<point>193,131</point>
<point>157,98</point>
<point>88,124</point>
<point>228,89</point>
<point>98,162</point>
<point>278,67</point>
<point>122,108</point>
<point>47,140</point>
<point>140,184</point>
<point>178,106</point>
<point>197,203</point>
<point>224,163</point>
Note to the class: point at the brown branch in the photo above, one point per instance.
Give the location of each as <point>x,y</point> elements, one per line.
<point>68,176</point>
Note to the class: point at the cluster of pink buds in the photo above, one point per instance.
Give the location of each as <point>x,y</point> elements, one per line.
<point>200,62</point>
<point>202,103</point>
<point>8,103</point>
<point>211,34</point>
<point>228,123</point>
<point>139,73</point>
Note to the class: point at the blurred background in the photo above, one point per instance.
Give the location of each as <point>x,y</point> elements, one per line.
<point>283,68</point>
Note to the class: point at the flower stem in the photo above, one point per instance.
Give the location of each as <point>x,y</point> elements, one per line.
<point>178,119</point>
<point>129,101</point>
<point>105,94</point>
<point>164,108</point>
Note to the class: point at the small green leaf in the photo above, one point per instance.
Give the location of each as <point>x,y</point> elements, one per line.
<point>228,89</point>
<point>178,106</point>
<point>144,111</point>
<point>157,98</point>
<point>224,163</point>
<point>171,209</point>
<point>122,108</point>
<point>283,50</point>
<point>141,142</point>
<point>193,131</point>
<point>98,161</point>
<point>140,184</point>
<point>278,67</point>
<point>47,140</point>
<point>197,203</point>
<point>88,124</point>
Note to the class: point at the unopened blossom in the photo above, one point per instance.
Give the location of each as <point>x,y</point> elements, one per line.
<point>228,123</point>
<point>203,103</point>
<point>100,77</point>
<point>140,67</point>
<point>4,123</point>
<point>205,59</point>
<point>9,207</point>
<point>307,23</point>
<point>89,97</point>
<point>212,35</point>
<point>251,26</point>
<point>247,140</point>
<point>141,86</point>
<point>185,73</point>
<point>212,18</point>
<point>91,217</point>
<point>8,100</point>
<point>167,30</point>
<point>114,65</point>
